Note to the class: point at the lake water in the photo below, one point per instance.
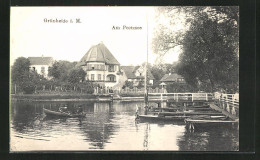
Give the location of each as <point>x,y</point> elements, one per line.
<point>108,126</point>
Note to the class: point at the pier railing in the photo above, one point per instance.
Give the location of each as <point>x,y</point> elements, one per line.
<point>229,103</point>
<point>185,97</point>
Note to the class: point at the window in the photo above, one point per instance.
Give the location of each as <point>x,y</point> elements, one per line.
<point>43,70</point>
<point>111,68</point>
<point>92,67</point>
<point>99,77</point>
<point>111,78</point>
<point>140,74</point>
<point>92,77</point>
<point>180,80</point>
<point>33,68</point>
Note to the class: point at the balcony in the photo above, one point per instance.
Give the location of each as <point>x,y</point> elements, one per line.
<point>111,70</point>
<point>95,69</point>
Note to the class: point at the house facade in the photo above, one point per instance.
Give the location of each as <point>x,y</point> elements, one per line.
<point>136,74</point>
<point>41,65</point>
<point>172,78</point>
<point>101,66</point>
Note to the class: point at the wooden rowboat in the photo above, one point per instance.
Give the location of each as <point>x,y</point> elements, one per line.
<point>60,114</point>
<point>158,118</point>
<point>210,121</point>
<point>188,113</point>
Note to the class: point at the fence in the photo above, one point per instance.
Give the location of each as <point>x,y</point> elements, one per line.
<point>229,103</point>
<point>186,97</point>
<point>47,89</point>
<point>127,90</point>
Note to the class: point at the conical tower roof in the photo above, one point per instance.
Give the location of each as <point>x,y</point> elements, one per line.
<point>98,53</point>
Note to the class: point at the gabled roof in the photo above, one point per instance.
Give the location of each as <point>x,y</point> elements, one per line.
<point>131,70</point>
<point>170,78</point>
<point>41,60</point>
<point>98,53</point>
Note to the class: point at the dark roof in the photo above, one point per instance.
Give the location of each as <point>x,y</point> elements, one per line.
<point>130,72</point>
<point>98,53</point>
<point>170,78</point>
<point>41,60</point>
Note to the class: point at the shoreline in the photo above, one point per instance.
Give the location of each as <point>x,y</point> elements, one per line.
<point>78,97</point>
<point>59,97</point>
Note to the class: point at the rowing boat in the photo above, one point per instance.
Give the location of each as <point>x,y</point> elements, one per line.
<point>158,118</point>
<point>60,114</point>
<point>209,121</point>
<point>189,113</point>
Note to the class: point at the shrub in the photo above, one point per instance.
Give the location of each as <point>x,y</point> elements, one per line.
<point>28,87</point>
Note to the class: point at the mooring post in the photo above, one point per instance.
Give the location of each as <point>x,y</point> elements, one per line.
<point>14,88</point>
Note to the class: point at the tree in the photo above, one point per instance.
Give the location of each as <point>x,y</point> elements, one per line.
<point>128,84</point>
<point>23,77</point>
<point>20,70</point>
<point>60,70</point>
<point>159,70</point>
<point>76,75</point>
<point>207,56</point>
<point>209,45</point>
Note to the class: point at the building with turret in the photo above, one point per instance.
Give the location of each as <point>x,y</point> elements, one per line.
<point>101,66</point>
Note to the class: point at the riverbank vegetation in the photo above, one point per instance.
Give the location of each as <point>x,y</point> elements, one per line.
<point>209,42</point>
<point>65,77</point>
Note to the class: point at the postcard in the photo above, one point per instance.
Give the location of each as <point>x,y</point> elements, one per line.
<point>124,78</point>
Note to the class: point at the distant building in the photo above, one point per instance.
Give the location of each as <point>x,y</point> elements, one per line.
<point>136,74</point>
<point>101,66</point>
<point>172,78</point>
<point>41,65</point>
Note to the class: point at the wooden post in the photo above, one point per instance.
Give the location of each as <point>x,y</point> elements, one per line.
<point>233,99</point>
<point>14,88</point>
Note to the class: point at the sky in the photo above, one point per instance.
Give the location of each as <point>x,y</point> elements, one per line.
<point>31,36</point>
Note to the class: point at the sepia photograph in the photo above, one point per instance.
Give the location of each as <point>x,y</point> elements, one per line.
<point>160,78</point>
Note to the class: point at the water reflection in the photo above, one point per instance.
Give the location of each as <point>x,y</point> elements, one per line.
<point>210,139</point>
<point>107,126</point>
<point>146,137</point>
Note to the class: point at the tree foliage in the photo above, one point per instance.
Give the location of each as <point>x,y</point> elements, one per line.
<point>209,44</point>
<point>76,75</point>
<point>60,70</point>
<point>65,76</point>
<point>20,70</point>
<point>23,77</point>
